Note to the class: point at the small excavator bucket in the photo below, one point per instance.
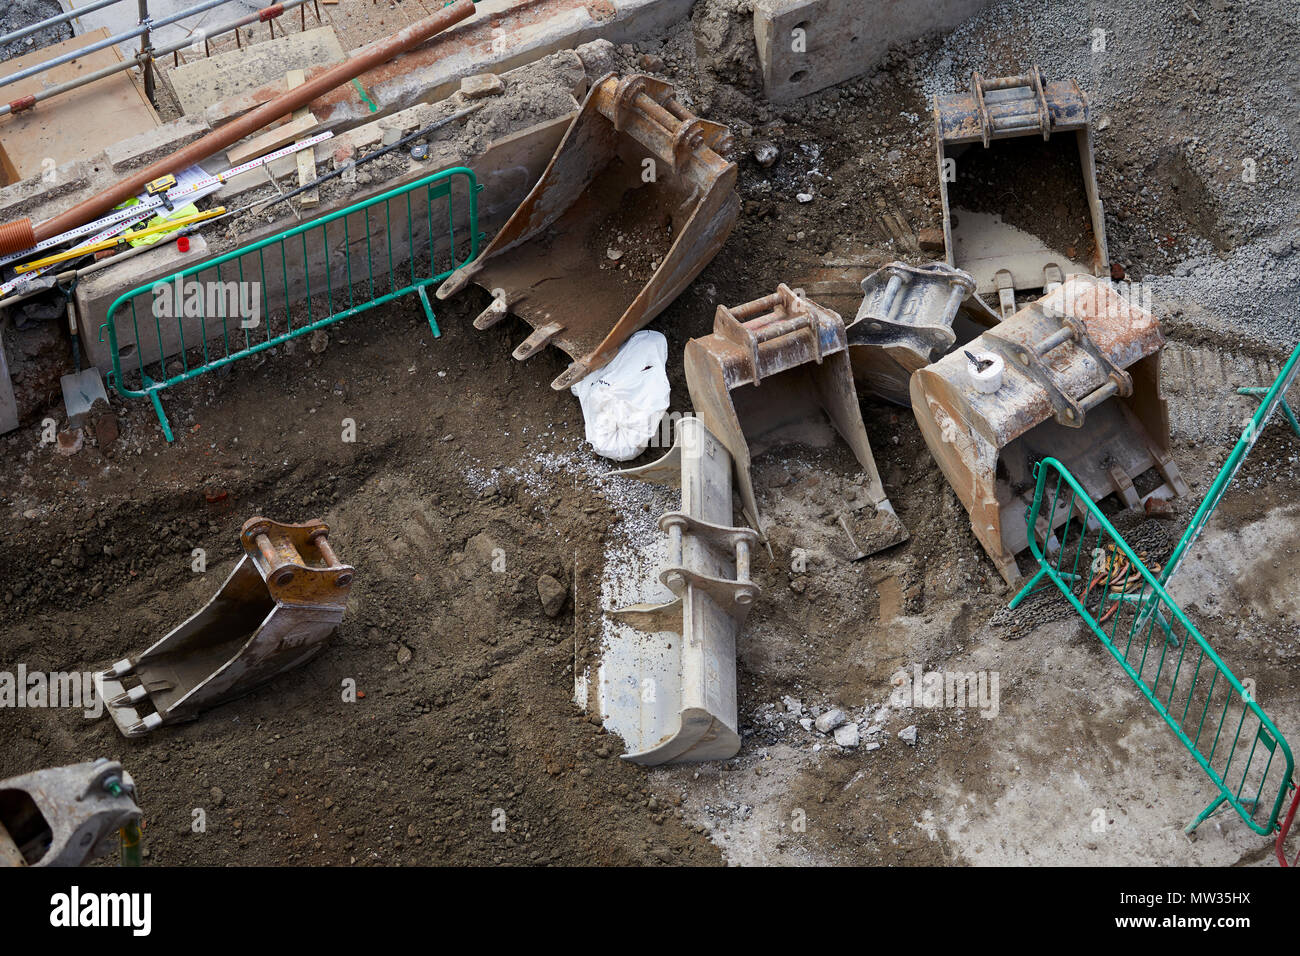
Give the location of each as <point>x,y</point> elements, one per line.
<point>1074,375</point>
<point>1019,213</point>
<point>286,595</point>
<point>911,315</point>
<point>786,360</point>
<point>681,704</point>
<point>634,204</point>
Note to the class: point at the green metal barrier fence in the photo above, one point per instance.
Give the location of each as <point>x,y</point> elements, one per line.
<point>1127,608</point>
<point>223,309</point>
<point>1274,397</point>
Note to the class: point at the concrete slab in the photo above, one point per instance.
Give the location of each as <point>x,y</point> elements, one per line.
<point>807,45</point>
<point>200,83</point>
<point>8,405</point>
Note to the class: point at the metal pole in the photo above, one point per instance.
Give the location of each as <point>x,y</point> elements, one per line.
<point>61,18</point>
<point>146,50</point>
<point>107,42</point>
<point>140,59</point>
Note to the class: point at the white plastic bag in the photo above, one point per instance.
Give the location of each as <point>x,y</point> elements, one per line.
<point>623,403</point>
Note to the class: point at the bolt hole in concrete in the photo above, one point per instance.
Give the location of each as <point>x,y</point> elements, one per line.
<point>798,76</point>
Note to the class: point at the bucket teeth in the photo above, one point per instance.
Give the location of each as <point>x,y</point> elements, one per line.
<point>537,341</point>
<point>493,314</point>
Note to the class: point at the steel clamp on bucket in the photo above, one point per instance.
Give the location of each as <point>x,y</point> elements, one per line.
<point>286,595</point>
<point>770,367</point>
<point>909,316</point>
<point>1074,375</point>
<point>689,714</point>
<point>637,200</point>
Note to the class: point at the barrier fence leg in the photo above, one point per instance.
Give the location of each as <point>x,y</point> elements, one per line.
<point>1024,592</point>
<point>158,409</point>
<point>1285,406</point>
<point>428,311</point>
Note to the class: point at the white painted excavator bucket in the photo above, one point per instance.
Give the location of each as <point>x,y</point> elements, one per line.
<point>674,696</point>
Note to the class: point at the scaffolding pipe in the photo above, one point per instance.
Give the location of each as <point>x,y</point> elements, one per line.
<point>145,60</point>
<point>60,18</point>
<point>20,235</point>
<point>125,35</point>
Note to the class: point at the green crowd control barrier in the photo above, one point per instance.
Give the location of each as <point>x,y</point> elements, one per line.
<point>1127,608</point>
<point>1274,398</point>
<point>244,301</point>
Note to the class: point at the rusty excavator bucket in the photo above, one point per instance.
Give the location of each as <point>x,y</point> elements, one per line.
<point>1074,375</point>
<point>909,316</point>
<point>286,595</point>
<point>637,200</point>
<point>1020,205</point>
<point>786,360</point>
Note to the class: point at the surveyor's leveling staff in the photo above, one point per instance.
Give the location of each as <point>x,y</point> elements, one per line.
<point>86,250</point>
<point>186,191</point>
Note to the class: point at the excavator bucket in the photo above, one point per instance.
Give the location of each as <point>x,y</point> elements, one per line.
<point>286,595</point>
<point>1019,213</point>
<point>1074,375</point>
<point>786,360</point>
<point>635,202</point>
<point>65,816</point>
<point>911,315</point>
<point>681,703</point>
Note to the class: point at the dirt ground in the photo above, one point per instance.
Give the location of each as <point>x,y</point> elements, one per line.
<point>463,454</point>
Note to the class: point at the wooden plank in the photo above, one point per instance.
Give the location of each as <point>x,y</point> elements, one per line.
<point>295,129</point>
<point>73,125</point>
<point>306,157</point>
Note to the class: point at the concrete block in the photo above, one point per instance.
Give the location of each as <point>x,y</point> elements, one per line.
<point>147,147</point>
<point>807,45</point>
<point>480,85</point>
<point>201,83</point>
<point>8,404</point>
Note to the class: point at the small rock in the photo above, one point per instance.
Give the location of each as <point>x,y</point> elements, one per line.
<point>652,63</point>
<point>872,746</point>
<point>218,796</point>
<point>830,720</point>
<point>847,735</point>
<point>552,593</point>
<point>804,197</point>
<point>1116,272</point>
<point>662,853</point>
<point>318,342</point>
<point>766,154</point>
<point>930,240</point>
<point>792,706</point>
<point>480,85</point>
<point>806,723</point>
<point>69,441</point>
<point>403,654</point>
<point>908,735</point>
